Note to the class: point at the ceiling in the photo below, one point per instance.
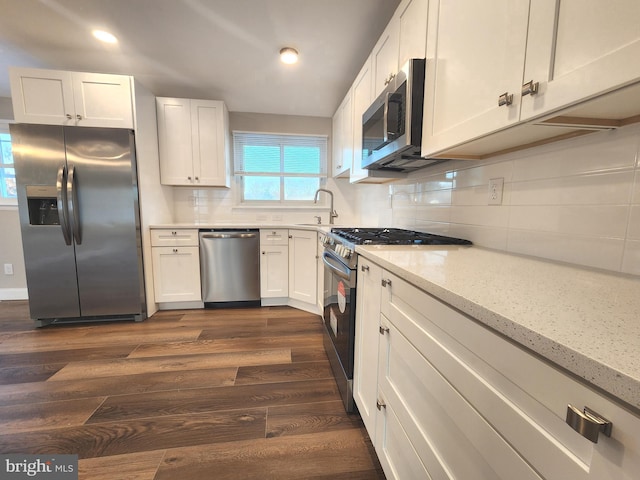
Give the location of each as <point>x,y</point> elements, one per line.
<point>212,49</point>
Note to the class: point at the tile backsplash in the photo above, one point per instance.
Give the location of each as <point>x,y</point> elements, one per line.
<point>575,201</point>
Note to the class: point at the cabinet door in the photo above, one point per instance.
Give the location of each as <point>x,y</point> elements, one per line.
<point>448,437</point>
<point>174,141</point>
<point>385,56</point>
<point>343,137</point>
<point>365,372</point>
<point>274,271</point>
<point>209,139</point>
<point>176,274</point>
<point>361,101</point>
<point>469,72</point>
<point>42,96</point>
<point>336,143</point>
<point>102,100</point>
<point>413,30</point>
<point>303,246</point>
<point>578,49</point>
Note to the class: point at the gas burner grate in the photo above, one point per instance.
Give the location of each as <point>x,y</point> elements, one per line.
<point>394,236</point>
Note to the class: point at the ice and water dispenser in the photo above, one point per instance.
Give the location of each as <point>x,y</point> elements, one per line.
<point>42,202</point>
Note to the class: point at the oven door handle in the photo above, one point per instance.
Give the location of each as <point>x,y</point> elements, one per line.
<point>335,266</point>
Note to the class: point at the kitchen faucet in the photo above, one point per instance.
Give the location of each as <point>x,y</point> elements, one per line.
<point>332,213</point>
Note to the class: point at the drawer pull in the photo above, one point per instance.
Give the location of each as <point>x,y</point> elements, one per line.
<point>383,329</point>
<point>505,99</point>
<point>588,423</point>
<point>386,283</point>
<point>530,88</point>
<point>175,250</point>
<point>364,268</point>
<point>380,405</point>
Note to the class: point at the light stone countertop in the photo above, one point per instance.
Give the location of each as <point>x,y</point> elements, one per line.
<point>585,321</point>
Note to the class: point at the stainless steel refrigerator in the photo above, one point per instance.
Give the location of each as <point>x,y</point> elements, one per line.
<point>80,223</point>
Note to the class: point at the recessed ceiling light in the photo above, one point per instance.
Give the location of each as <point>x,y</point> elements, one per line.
<point>288,55</point>
<point>104,36</point>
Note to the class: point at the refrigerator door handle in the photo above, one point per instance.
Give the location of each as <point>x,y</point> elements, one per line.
<point>72,202</point>
<point>63,214</point>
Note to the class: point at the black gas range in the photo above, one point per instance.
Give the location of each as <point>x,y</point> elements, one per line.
<point>343,241</point>
<point>340,260</point>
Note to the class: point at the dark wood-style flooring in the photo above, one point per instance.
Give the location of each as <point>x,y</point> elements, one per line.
<point>193,394</point>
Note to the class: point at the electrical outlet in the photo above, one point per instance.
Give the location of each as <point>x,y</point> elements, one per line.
<point>495,191</point>
<point>8,268</point>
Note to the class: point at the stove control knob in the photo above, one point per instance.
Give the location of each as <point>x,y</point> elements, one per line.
<point>340,250</point>
<point>348,252</point>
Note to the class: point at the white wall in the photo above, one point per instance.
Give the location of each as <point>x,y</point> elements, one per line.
<point>576,201</point>
<point>217,205</point>
<point>12,287</point>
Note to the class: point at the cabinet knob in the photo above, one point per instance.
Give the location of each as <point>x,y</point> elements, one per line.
<point>189,178</point>
<point>380,404</point>
<point>197,179</point>
<point>364,268</point>
<point>588,423</point>
<point>264,253</point>
<point>386,283</point>
<point>79,117</point>
<point>290,236</point>
<point>69,117</point>
<point>505,99</point>
<point>530,88</point>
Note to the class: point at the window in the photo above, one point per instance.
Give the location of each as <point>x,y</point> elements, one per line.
<point>279,169</point>
<point>7,172</point>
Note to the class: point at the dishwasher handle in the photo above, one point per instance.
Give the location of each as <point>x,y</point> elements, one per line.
<point>228,235</point>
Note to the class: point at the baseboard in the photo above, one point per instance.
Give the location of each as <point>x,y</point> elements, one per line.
<point>13,294</point>
<point>180,305</point>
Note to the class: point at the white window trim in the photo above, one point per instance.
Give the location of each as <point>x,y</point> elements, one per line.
<point>239,204</point>
<point>11,203</point>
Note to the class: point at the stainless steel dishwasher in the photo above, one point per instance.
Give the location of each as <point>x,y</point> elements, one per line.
<point>230,267</point>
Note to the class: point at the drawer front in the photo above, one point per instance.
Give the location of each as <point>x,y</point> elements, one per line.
<point>176,237</point>
<point>454,439</point>
<point>523,398</point>
<point>275,236</point>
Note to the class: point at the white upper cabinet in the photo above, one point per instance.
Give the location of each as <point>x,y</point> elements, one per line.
<point>362,88</point>
<point>193,138</point>
<point>550,68</point>
<point>342,141</point>
<point>478,57</point>
<point>404,38</point>
<point>577,49</point>
<point>413,16</point>
<point>385,56</point>
<point>54,97</point>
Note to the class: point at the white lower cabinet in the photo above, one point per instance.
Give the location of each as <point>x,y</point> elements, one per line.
<point>176,265</point>
<point>274,263</point>
<point>303,251</point>
<point>457,401</point>
<point>365,383</point>
<point>274,271</point>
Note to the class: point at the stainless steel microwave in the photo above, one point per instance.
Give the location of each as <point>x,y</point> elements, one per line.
<point>392,125</point>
